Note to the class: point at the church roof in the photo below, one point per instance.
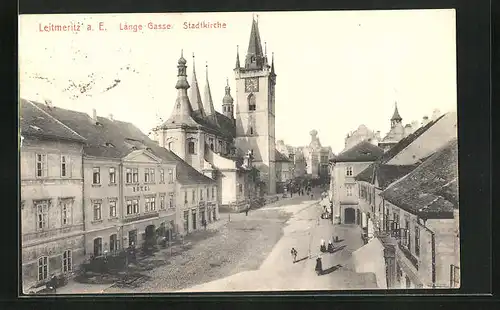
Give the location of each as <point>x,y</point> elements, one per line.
<point>431,190</point>
<point>361,152</point>
<point>34,121</point>
<point>194,93</point>
<point>116,139</point>
<point>254,48</point>
<point>211,116</point>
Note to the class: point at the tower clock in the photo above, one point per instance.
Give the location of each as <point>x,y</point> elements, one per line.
<point>251,85</point>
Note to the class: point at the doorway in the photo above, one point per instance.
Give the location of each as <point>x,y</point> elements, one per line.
<point>97,247</point>
<point>349,216</point>
<point>194,219</point>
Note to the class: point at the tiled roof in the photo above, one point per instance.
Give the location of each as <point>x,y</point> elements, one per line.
<point>397,148</point>
<point>431,190</point>
<point>386,174</point>
<point>226,126</point>
<point>366,175</point>
<point>33,121</point>
<point>280,157</point>
<point>116,139</point>
<point>361,152</point>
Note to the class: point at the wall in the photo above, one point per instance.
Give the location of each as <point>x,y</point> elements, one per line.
<point>57,237</point>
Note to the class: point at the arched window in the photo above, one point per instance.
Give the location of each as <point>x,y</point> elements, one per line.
<point>252,59</point>
<point>170,145</point>
<point>212,146</point>
<point>251,130</point>
<point>251,102</point>
<point>97,247</point>
<point>191,147</point>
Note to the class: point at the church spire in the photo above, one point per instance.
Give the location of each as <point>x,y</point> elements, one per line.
<point>396,118</point>
<point>209,105</point>
<point>182,108</point>
<point>255,56</point>
<point>272,64</point>
<point>194,93</point>
<point>237,57</point>
<point>227,102</point>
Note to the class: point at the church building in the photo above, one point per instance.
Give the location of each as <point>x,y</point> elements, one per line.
<point>226,146</point>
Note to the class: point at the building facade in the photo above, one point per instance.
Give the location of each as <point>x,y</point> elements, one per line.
<point>51,207</point>
<point>344,191</point>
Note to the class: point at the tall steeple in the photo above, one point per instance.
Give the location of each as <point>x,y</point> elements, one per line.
<point>227,102</point>
<point>396,118</point>
<point>272,65</point>
<point>255,56</point>
<point>209,105</point>
<point>237,57</point>
<point>182,108</point>
<point>194,93</point>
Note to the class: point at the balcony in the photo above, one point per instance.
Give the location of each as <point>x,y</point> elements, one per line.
<point>141,217</point>
<point>51,233</point>
<point>393,237</point>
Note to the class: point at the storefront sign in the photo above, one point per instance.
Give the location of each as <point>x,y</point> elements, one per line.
<point>142,188</point>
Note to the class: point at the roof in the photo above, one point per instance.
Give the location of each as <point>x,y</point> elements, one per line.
<point>35,122</point>
<point>362,152</point>
<point>386,174</point>
<point>122,138</point>
<point>280,157</point>
<point>431,190</point>
<point>396,115</point>
<point>254,48</point>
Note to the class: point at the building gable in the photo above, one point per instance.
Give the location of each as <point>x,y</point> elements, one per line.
<point>142,156</point>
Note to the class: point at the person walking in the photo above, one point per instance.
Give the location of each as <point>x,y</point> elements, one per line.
<point>294,254</point>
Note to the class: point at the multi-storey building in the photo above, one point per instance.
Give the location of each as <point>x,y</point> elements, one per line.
<point>51,207</point>
<point>343,188</point>
<point>130,189</point>
<point>284,171</point>
<point>396,165</point>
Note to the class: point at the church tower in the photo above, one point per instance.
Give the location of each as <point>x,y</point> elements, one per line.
<point>255,108</point>
<point>396,118</point>
<point>227,103</point>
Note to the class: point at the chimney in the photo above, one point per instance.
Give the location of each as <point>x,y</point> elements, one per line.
<point>48,102</point>
<point>414,125</point>
<point>111,117</point>
<point>436,114</point>
<point>425,120</point>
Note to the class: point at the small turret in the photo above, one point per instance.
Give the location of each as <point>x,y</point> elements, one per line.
<point>227,102</point>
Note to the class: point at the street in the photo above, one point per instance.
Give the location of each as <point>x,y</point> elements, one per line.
<point>250,253</point>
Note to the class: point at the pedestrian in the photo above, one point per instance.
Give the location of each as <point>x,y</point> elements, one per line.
<point>294,254</point>
<point>246,211</point>
<point>53,283</point>
<point>204,223</point>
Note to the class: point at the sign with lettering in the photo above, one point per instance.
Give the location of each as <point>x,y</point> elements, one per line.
<point>141,188</point>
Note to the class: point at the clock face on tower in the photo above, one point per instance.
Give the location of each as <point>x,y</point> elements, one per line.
<point>252,85</point>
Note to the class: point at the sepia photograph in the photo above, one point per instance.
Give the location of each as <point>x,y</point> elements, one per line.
<point>238,152</point>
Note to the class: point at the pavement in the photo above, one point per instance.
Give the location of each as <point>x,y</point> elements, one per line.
<point>303,232</point>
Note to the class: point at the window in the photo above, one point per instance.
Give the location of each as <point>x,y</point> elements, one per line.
<point>251,130</point>
<point>97,247</point>
<point>113,243</point>
<point>251,102</point>
<point>185,197</point>
<point>147,205</point>
<point>66,212</point>
<point>135,205</point>
<point>97,210</point>
<point>43,268</point>
<point>208,193</point>
<point>348,188</point>
<point>162,202</point>
<point>64,166</point>
<point>153,203</point>
<point>112,175</point>
<point>146,176</point>
<point>417,240</point>
<point>41,165</point>
<point>96,175</point>
<point>212,146</point>
<point>193,196</point>
<point>170,145</point>
<point>191,147</point>
<point>201,194</point>
<point>128,175</point>
<point>135,175</point>
<point>408,237</point>
<point>129,207</point>
<point>42,217</point>
<point>67,261</point>
<point>240,188</point>
<point>213,192</point>
<point>162,176</point>
<point>112,208</point>
<point>171,200</point>
<point>186,221</point>
<point>348,171</point>
<point>170,175</point>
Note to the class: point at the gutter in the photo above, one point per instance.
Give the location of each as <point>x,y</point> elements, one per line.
<point>82,170</point>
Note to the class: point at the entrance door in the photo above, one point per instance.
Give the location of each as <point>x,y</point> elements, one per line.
<point>150,233</point>
<point>194,219</point>
<point>349,216</point>
<point>113,243</point>
<point>132,237</point>
<point>97,247</point>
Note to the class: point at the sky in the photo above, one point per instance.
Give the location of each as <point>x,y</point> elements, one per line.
<point>335,69</point>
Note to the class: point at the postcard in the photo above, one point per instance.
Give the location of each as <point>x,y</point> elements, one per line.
<point>238,152</point>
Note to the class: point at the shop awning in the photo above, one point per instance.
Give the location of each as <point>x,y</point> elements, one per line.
<point>370,258</point>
